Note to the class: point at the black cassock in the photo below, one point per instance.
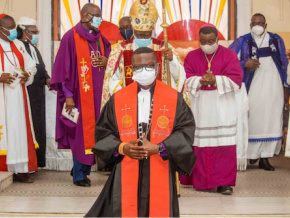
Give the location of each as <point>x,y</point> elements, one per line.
<point>36,93</point>
<point>180,156</point>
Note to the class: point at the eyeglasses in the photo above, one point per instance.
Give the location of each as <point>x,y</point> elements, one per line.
<point>34,32</point>
<point>148,67</point>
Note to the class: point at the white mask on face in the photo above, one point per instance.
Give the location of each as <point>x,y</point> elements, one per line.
<point>145,77</point>
<point>209,49</point>
<point>257,30</point>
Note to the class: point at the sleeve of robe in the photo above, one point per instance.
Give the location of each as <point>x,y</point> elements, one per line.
<point>283,55</point>
<point>237,47</point>
<point>193,81</point>
<point>232,77</point>
<point>30,65</point>
<point>178,75</point>
<point>107,134</point>
<point>178,144</point>
<point>65,68</point>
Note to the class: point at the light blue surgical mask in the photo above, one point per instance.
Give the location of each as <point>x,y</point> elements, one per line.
<point>142,42</point>
<point>12,34</point>
<point>96,21</point>
<point>35,39</point>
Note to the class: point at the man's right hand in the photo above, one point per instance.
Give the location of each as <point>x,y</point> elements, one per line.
<point>6,78</point>
<point>252,64</point>
<point>70,104</point>
<point>134,151</point>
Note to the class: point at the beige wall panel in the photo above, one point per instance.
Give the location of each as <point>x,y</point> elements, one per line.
<point>19,8</point>
<point>276,13</point>
<point>277,16</point>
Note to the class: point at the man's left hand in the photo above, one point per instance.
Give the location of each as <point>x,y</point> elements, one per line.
<point>168,54</point>
<point>288,54</point>
<point>149,147</point>
<point>47,82</point>
<point>101,61</point>
<point>24,77</point>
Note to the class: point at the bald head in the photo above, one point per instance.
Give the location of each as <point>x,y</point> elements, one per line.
<point>88,12</point>
<point>90,8</point>
<point>6,19</point>
<point>125,23</point>
<point>7,23</point>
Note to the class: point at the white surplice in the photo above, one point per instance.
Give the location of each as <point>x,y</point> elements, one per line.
<point>242,101</point>
<point>266,100</point>
<point>215,112</point>
<point>17,148</point>
<point>176,70</point>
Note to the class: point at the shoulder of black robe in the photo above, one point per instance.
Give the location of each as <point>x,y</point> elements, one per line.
<point>107,134</point>
<point>41,62</point>
<point>179,143</point>
<point>26,45</point>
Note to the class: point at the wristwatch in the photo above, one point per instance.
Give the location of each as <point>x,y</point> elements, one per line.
<point>160,148</point>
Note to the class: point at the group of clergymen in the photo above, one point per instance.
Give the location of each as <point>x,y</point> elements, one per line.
<point>137,125</point>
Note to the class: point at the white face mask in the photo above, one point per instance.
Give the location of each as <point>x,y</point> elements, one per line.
<point>257,30</point>
<point>209,49</point>
<point>145,77</point>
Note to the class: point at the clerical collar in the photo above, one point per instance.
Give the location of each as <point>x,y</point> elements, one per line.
<point>152,88</point>
<point>89,31</point>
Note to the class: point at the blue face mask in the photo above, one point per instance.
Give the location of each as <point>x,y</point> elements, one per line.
<point>12,34</point>
<point>142,42</point>
<point>96,22</point>
<point>126,34</point>
<point>35,39</point>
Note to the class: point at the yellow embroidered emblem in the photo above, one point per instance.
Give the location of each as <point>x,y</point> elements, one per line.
<point>129,73</point>
<point>127,121</point>
<point>1,127</point>
<point>163,122</point>
<point>85,70</point>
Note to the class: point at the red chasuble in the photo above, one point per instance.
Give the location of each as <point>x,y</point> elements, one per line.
<point>164,109</point>
<point>32,160</point>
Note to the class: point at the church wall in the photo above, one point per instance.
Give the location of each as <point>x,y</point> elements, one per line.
<point>19,8</point>
<point>277,16</point>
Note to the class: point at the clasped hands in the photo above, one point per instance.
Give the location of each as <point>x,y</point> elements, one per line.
<point>208,79</point>
<point>100,61</point>
<point>134,151</point>
<point>8,78</point>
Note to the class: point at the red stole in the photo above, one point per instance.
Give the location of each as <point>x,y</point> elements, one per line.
<point>164,109</point>
<point>32,160</point>
<point>85,76</point>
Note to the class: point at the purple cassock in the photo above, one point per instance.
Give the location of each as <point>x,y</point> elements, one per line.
<point>65,81</point>
<point>214,143</point>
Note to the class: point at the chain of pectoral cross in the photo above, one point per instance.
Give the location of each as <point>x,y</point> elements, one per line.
<point>96,53</point>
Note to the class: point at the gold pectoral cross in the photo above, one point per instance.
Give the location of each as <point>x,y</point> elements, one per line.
<point>208,67</point>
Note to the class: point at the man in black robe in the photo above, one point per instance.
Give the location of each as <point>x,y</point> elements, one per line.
<point>155,117</point>
<point>28,33</point>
